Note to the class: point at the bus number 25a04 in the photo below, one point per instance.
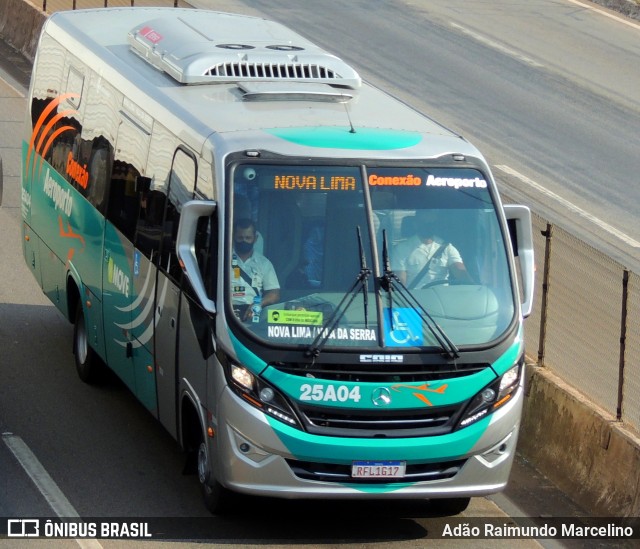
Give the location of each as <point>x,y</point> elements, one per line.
<point>329,393</point>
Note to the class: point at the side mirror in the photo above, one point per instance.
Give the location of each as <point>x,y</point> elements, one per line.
<point>191,212</point>
<point>519,222</point>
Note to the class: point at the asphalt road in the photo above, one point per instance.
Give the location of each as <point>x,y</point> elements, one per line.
<point>546,89</point>
<point>523,86</point>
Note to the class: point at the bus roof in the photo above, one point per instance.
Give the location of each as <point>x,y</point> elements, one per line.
<point>219,73</point>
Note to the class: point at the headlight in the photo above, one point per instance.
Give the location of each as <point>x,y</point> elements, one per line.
<point>242,377</point>
<point>260,394</point>
<point>493,396</point>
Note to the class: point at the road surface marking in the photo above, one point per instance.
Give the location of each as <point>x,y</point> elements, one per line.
<point>569,205</point>
<point>617,18</point>
<point>45,484</point>
<point>496,45</point>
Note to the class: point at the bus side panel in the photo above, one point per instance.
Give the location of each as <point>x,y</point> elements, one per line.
<point>194,347</point>
<point>167,306</point>
<point>73,229</point>
<point>128,299</point>
<point>53,278</point>
<point>144,284</point>
<point>30,250</point>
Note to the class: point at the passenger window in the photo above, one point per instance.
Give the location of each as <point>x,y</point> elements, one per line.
<point>149,227</point>
<point>75,83</point>
<point>129,186</point>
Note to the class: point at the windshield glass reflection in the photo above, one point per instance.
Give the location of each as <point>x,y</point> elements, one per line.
<point>302,236</point>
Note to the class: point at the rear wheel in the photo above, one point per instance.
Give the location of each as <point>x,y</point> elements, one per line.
<point>88,364</point>
<point>217,498</point>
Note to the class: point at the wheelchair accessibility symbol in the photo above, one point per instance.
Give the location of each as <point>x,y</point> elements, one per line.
<point>402,327</point>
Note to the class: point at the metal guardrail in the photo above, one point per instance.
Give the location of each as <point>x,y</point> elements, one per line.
<point>585,324</point>
<point>58,5</point>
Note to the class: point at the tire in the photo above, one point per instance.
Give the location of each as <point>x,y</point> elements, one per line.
<point>88,363</point>
<point>450,506</point>
<point>217,499</point>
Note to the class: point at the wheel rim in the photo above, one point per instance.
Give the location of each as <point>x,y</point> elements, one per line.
<point>202,464</point>
<point>81,341</point>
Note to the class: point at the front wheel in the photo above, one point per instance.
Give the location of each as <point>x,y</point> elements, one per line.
<point>217,498</point>
<point>88,364</point>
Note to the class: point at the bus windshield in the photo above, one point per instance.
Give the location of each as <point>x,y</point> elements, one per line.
<point>360,256</point>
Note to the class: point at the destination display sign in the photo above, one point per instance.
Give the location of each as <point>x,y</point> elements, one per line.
<point>283,182</point>
<point>343,182</point>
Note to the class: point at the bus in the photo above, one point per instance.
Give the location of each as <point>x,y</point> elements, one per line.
<point>315,288</point>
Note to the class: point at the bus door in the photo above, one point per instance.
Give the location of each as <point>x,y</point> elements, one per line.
<point>128,289</point>
<point>117,298</point>
<point>182,180</point>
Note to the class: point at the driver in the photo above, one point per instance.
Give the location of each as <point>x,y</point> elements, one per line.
<point>425,257</point>
<point>253,278</point>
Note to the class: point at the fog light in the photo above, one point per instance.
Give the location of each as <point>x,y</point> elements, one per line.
<point>267,394</point>
<point>488,395</point>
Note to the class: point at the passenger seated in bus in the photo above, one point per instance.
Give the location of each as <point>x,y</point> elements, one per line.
<point>252,274</point>
<point>425,258</point>
<point>308,274</point>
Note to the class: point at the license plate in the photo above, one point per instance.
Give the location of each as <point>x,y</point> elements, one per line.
<point>378,469</point>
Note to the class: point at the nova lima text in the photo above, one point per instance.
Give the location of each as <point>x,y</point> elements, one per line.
<point>465,530</point>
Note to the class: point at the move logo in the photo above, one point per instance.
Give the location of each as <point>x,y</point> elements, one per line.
<point>117,277</point>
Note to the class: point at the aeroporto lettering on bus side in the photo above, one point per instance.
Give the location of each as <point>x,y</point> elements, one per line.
<point>409,180</point>
<point>62,198</point>
<point>117,277</point>
<point>77,172</point>
<point>314,183</point>
<point>456,182</point>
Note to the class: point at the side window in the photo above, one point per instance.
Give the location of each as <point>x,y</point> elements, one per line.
<point>80,148</point>
<point>60,126</point>
<point>46,88</point>
<point>75,84</point>
<point>150,221</point>
<point>129,186</point>
<point>182,180</point>
<point>91,163</point>
<point>47,76</point>
<point>153,202</point>
<point>99,168</point>
<point>63,143</point>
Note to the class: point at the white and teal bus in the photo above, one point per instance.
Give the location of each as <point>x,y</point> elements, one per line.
<point>359,367</point>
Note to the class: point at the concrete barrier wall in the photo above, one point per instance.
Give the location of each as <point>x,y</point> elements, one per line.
<point>579,447</point>
<point>630,8</point>
<point>583,450</point>
<point>20,24</point>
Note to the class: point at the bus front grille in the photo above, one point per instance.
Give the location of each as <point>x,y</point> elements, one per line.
<point>330,472</point>
<point>378,423</point>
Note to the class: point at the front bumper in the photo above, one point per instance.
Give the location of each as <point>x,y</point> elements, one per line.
<point>257,455</point>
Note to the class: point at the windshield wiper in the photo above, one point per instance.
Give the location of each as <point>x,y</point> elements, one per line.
<point>360,283</point>
<point>389,281</point>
